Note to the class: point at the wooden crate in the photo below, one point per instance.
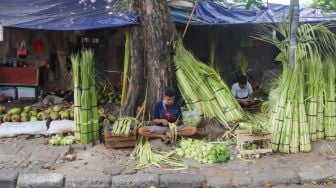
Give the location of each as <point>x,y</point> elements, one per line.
<point>111,141</point>
<point>243,137</point>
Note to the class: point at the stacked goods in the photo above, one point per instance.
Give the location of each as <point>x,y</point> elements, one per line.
<point>56,113</point>
<point>202,151</point>
<point>202,88</point>
<point>289,121</point>
<point>85,99</point>
<point>88,56</point>
<point>107,94</point>
<point>330,100</point>
<point>124,126</point>
<point>58,140</point>
<point>314,102</point>
<point>28,113</point>
<point>289,125</point>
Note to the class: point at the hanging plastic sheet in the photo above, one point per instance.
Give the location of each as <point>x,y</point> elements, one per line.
<point>64,14</point>
<point>220,13</point>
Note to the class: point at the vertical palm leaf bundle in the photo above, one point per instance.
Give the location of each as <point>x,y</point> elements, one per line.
<point>202,87</point>
<point>290,125</point>
<point>126,72</point>
<point>93,94</point>
<point>314,102</point>
<point>77,92</point>
<point>85,99</point>
<point>241,63</point>
<point>330,100</point>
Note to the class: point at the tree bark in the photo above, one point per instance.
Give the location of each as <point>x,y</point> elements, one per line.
<point>137,73</point>
<point>158,31</point>
<point>151,67</point>
<point>137,67</point>
<point>294,24</point>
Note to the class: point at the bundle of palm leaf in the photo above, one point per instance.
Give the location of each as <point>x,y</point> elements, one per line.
<point>202,87</point>
<point>330,100</point>
<point>289,121</point>
<point>85,100</point>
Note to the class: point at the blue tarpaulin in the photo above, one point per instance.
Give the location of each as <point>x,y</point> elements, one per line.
<point>73,15</point>
<point>64,14</point>
<point>219,13</point>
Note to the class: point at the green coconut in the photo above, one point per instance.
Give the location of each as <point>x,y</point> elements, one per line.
<point>40,115</point>
<point>54,115</point>
<point>24,118</point>
<point>27,108</point>
<point>48,111</point>
<point>16,111</point>
<point>24,114</point>
<point>57,108</point>
<point>45,117</point>
<point>15,118</point>
<point>7,118</point>
<point>33,113</point>
<point>65,115</point>
<point>33,118</point>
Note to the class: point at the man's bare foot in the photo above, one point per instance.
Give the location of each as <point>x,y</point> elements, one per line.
<point>169,134</point>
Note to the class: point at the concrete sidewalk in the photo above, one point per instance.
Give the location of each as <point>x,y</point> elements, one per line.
<point>30,163</point>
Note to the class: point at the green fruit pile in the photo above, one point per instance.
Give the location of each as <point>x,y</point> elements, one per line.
<point>203,151</point>
<point>28,113</point>
<point>56,113</point>
<point>108,95</point>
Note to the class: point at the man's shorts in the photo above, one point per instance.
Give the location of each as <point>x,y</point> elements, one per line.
<point>162,129</point>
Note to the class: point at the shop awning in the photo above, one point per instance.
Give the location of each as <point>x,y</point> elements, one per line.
<point>83,15</point>
<point>220,13</point>
<point>64,14</point>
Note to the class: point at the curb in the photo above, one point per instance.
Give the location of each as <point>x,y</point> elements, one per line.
<point>12,179</point>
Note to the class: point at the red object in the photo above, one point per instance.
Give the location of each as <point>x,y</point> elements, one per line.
<point>170,117</point>
<point>257,43</point>
<point>38,47</point>
<point>258,89</point>
<point>19,76</point>
<point>21,52</point>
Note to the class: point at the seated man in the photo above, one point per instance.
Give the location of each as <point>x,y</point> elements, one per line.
<point>166,111</point>
<point>243,92</point>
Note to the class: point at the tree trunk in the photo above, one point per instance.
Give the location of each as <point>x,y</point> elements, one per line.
<point>158,31</point>
<point>294,23</point>
<point>151,67</point>
<point>137,73</point>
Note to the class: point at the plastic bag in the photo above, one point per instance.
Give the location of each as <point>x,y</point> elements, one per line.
<point>191,118</point>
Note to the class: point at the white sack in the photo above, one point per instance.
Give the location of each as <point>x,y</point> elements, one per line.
<point>61,126</point>
<point>9,129</point>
